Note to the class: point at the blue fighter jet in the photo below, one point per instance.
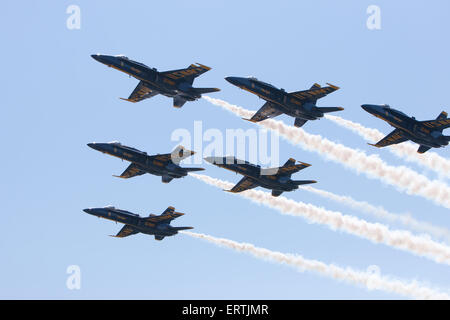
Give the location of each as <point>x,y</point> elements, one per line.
<point>159,226</point>
<point>299,104</point>
<point>428,134</point>
<point>164,165</point>
<point>176,84</point>
<point>277,179</point>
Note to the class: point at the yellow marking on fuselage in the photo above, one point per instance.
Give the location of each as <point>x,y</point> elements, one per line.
<point>169,81</point>
<point>160,164</point>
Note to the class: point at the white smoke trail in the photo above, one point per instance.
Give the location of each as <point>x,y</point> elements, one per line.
<point>378,233</point>
<point>405,150</point>
<point>405,219</point>
<point>402,177</point>
<point>371,281</point>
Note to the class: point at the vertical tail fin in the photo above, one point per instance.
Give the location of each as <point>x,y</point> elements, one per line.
<point>205,90</point>
<point>442,116</point>
<point>276,193</point>
<point>178,102</point>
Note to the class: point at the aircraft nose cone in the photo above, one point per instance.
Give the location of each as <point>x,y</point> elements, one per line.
<point>88,210</point>
<point>102,58</point>
<point>367,107</point>
<point>210,159</point>
<point>96,57</point>
<point>92,145</point>
<point>233,80</point>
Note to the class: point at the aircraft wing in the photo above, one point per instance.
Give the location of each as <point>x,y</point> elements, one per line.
<point>394,137</point>
<point>315,92</point>
<point>140,93</point>
<point>290,167</point>
<point>126,231</point>
<point>132,171</point>
<point>188,74</point>
<point>267,111</point>
<point>437,124</point>
<point>168,215</point>
<point>246,183</point>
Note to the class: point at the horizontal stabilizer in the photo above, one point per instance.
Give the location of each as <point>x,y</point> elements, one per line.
<point>206,90</point>
<point>329,109</point>
<point>182,228</point>
<point>193,169</point>
<point>301,182</point>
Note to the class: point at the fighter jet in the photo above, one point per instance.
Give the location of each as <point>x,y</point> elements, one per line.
<point>276,179</point>
<point>176,84</point>
<point>426,133</point>
<point>164,165</point>
<point>159,226</point>
<point>299,104</point>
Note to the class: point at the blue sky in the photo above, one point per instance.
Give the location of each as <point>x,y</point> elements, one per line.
<point>55,99</point>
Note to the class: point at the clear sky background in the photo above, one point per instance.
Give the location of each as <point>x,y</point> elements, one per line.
<point>56,98</point>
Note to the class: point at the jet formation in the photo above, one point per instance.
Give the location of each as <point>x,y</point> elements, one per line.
<point>428,134</point>
<point>176,84</point>
<point>299,104</point>
<point>159,226</point>
<point>302,105</point>
<point>164,165</point>
<point>276,179</point>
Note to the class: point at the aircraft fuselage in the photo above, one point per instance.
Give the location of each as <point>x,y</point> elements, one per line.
<point>154,80</point>
<point>141,159</point>
<point>266,178</point>
<point>286,102</point>
<point>134,220</point>
<point>411,128</point>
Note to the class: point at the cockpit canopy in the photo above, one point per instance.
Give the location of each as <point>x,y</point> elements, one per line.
<point>110,207</point>
<point>122,56</point>
<point>261,82</point>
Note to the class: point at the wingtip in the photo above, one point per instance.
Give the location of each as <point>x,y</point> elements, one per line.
<point>125,99</point>
<point>304,163</point>
<point>249,120</point>
<point>374,145</point>
<point>203,66</point>
<point>333,86</point>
